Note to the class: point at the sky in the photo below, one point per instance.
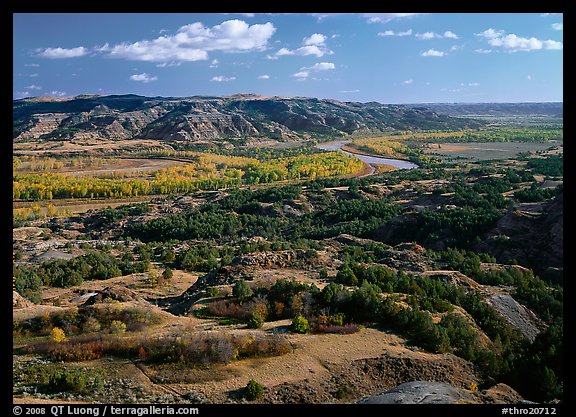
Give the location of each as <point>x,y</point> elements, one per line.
<point>360,57</point>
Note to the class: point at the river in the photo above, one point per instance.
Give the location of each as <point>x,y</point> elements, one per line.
<point>370,160</point>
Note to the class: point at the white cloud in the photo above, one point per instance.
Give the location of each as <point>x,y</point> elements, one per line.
<point>169,64</point>
<point>349,91</point>
<point>193,42</point>
<point>426,35</point>
<point>432,52</point>
<point>315,39</point>
<point>490,33</point>
<point>33,87</point>
<point>473,84</point>
<point>56,93</point>
<point>145,78</point>
<point>392,33</point>
<point>264,77</point>
<point>514,43</point>
<point>33,75</point>
<point>483,51</point>
<point>386,17</point>
<point>323,66</point>
<point>558,26</point>
<point>305,72</point>
<point>549,44</point>
<point>315,45</point>
<point>528,77</point>
<point>214,63</point>
<point>433,35</point>
<point>59,53</point>
<point>222,79</point>
<point>407,82</point>
<point>31,65</point>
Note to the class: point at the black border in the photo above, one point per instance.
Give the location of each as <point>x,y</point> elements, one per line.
<point>293,6</point>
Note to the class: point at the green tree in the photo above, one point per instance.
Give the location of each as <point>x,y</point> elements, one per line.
<point>253,390</point>
<point>300,324</point>
<point>241,289</point>
<point>167,274</point>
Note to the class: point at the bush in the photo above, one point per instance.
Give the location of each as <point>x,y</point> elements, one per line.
<point>253,390</point>
<point>167,274</point>
<point>300,325</point>
<point>117,327</point>
<point>258,316</point>
<point>58,335</point>
<point>212,291</point>
<point>75,380</point>
<point>241,289</point>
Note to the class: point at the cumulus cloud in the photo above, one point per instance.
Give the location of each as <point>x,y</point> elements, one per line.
<point>392,33</point>
<point>490,33</point>
<point>426,35</point>
<point>432,52</point>
<point>222,79</point>
<point>33,87</point>
<point>60,53</point>
<point>407,82</point>
<point>386,17</point>
<point>349,91</point>
<point>315,45</point>
<point>558,26</point>
<point>264,77</point>
<point>305,72</point>
<point>31,65</point>
<point>514,43</point>
<point>191,42</point>
<point>56,93</point>
<point>145,78</point>
<point>315,39</point>
<point>433,35</point>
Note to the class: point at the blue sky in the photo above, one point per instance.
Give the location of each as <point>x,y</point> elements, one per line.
<point>383,57</point>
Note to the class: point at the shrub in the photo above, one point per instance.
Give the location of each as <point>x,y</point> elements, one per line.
<point>300,325</point>
<point>241,289</point>
<point>58,335</point>
<point>167,274</point>
<point>91,325</point>
<point>253,390</point>
<point>333,328</point>
<point>212,291</point>
<point>258,316</point>
<point>75,380</point>
<point>117,327</point>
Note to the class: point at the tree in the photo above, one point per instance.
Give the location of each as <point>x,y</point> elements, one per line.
<point>241,289</point>
<point>167,274</point>
<point>300,324</point>
<point>346,276</point>
<point>57,335</point>
<point>253,390</point>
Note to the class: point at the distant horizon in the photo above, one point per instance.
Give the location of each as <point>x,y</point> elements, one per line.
<point>393,58</point>
<point>79,96</point>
